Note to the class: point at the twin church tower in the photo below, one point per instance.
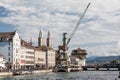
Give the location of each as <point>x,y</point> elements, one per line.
<point>41,40</point>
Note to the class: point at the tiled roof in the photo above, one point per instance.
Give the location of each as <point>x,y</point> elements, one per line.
<point>79,52</point>
<point>7,34</point>
<point>26,44</point>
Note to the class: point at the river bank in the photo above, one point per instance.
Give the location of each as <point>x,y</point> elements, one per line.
<point>12,73</point>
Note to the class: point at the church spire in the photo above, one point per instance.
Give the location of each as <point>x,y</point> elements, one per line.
<point>49,40</point>
<point>40,39</point>
<point>40,33</point>
<point>49,34</point>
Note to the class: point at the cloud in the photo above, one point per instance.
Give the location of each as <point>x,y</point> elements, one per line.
<point>100,24</point>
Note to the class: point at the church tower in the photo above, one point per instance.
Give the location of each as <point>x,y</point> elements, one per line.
<point>40,39</point>
<point>49,40</point>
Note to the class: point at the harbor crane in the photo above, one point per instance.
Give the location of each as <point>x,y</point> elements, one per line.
<point>63,56</point>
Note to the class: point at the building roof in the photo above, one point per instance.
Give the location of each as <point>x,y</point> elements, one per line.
<point>7,35</point>
<point>79,52</point>
<point>43,48</point>
<point>26,44</point>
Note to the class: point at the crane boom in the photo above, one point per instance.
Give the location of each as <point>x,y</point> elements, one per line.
<point>78,23</point>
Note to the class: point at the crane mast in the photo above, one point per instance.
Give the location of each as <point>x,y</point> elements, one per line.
<point>77,25</point>
<point>63,56</point>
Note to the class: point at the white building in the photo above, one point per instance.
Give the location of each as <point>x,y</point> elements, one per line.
<point>78,57</point>
<point>46,53</point>
<point>40,57</point>
<point>16,45</point>
<point>21,54</point>
<point>27,55</point>
<point>51,57</point>
<point>2,62</point>
<point>12,55</point>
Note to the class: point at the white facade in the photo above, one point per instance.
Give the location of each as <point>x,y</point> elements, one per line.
<point>2,62</point>
<point>51,58</point>
<point>78,61</point>
<point>16,44</point>
<point>82,62</point>
<point>40,58</point>
<point>22,56</point>
<point>27,57</point>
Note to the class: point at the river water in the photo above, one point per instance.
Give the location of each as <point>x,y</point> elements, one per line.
<point>83,75</point>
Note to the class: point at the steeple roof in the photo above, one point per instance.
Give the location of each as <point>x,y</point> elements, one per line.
<point>49,35</point>
<point>40,33</point>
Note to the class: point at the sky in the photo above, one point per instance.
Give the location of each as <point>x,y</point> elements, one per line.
<point>98,33</point>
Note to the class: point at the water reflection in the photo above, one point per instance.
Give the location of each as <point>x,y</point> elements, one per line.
<point>89,75</point>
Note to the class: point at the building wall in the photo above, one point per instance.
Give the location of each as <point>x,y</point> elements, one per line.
<point>30,56</point>
<point>41,41</point>
<point>51,58</point>
<point>22,56</point>
<point>82,62</point>
<point>2,62</point>
<point>49,42</point>
<point>16,42</point>
<point>40,58</point>
<point>4,50</point>
<point>78,61</point>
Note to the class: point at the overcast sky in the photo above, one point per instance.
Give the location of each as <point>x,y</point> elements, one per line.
<point>99,32</point>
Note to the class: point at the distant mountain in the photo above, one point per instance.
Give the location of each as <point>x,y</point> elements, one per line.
<point>101,59</point>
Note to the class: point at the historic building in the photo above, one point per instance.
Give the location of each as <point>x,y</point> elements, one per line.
<point>78,57</point>
<point>23,55</point>
<point>27,55</point>
<point>19,53</point>
<point>40,57</point>
<point>46,52</point>
<point>49,40</point>
<point>41,40</point>
<point>12,43</point>
<point>50,57</point>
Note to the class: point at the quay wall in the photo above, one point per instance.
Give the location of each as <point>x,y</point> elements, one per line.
<point>6,73</point>
<point>41,71</point>
<point>24,72</point>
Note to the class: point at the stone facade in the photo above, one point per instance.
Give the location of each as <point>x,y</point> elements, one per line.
<point>51,58</point>
<point>45,52</point>
<point>40,57</point>
<point>78,57</point>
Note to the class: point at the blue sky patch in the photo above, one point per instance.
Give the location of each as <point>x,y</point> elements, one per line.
<point>5,27</point>
<point>4,12</point>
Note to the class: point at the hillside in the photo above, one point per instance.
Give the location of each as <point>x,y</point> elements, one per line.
<point>101,59</point>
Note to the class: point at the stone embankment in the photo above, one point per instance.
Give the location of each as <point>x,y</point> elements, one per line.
<point>24,72</point>
<point>6,73</point>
